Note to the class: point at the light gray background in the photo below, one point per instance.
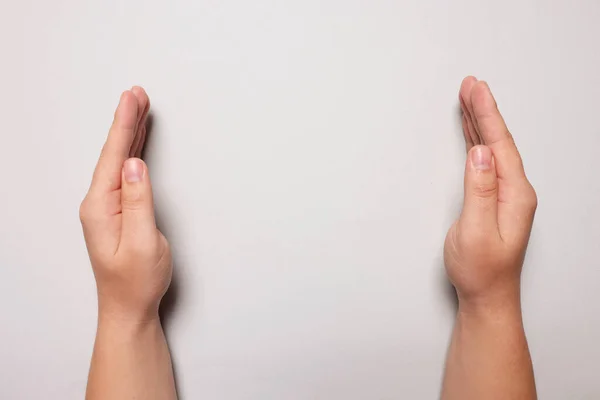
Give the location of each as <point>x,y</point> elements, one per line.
<point>307,161</point>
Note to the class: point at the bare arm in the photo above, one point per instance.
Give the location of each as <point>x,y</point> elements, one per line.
<point>488,357</point>
<point>132,264</point>
<point>131,360</point>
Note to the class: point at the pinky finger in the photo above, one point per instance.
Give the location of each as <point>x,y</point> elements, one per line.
<point>142,141</point>
<point>468,138</point>
<point>136,143</point>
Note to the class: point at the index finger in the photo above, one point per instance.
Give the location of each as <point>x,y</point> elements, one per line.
<point>107,176</point>
<point>495,133</point>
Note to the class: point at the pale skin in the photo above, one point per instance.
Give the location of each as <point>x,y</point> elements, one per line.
<point>132,265</point>
<point>484,252</point>
<point>488,356</point>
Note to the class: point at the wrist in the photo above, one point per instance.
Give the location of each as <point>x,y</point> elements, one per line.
<point>503,304</point>
<point>499,320</point>
<point>127,335</point>
<point>116,314</point>
<point>126,327</point>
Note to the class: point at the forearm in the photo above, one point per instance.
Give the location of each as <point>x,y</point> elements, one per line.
<point>130,361</point>
<point>488,357</point>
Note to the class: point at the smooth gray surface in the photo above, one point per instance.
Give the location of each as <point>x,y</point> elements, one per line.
<point>307,161</point>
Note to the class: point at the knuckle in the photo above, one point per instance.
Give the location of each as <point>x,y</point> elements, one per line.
<point>85,210</point>
<point>167,251</point>
<point>485,190</point>
<point>133,203</point>
<point>530,198</point>
<point>164,243</point>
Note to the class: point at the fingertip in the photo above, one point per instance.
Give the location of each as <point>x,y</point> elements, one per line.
<point>127,111</point>
<point>481,190</point>
<point>481,158</point>
<point>134,170</point>
<point>482,96</point>
<point>140,93</point>
<point>469,80</point>
<point>136,200</point>
<point>126,97</point>
<point>466,86</point>
<point>143,103</point>
<point>481,85</point>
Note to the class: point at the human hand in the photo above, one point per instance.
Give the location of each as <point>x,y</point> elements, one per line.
<point>485,248</point>
<point>131,259</point>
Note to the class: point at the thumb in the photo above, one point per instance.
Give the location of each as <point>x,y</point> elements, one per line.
<point>480,210</point>
<point>136,201</point>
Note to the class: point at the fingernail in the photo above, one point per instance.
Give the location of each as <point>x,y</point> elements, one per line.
<point>134,170</point>
<point>481,157</point>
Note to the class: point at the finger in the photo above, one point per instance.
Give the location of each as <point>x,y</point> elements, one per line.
<point>465,88</point>
<point>136,144</point>
<point>143,102</point>
<point>465,100</point>
<point>471,129</point>
<point>468,140</point>
<point>107,176</point>
<point>143,109</point>
<point>495,133</point>
<point>480,210</point>
<point>473,132</point>
<point>140,146</point>
<point>136,202</point>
